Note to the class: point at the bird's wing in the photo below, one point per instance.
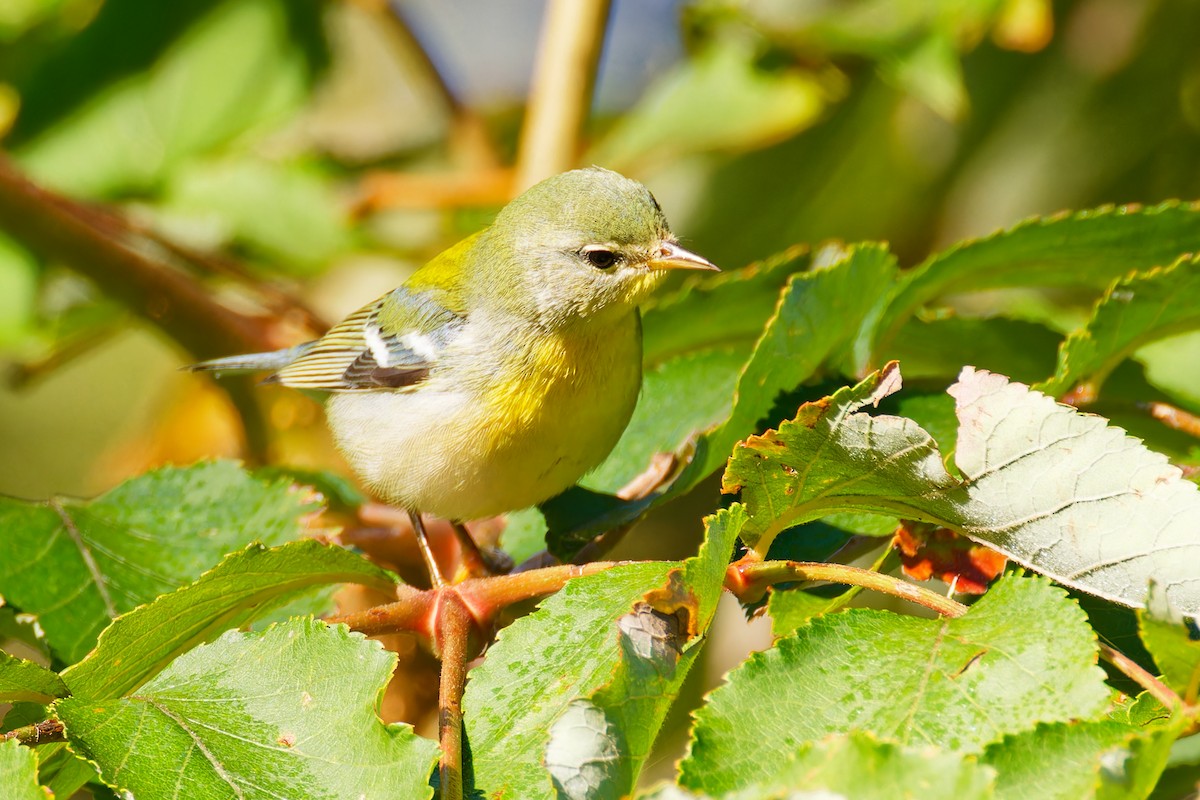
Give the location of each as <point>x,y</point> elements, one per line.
<point>391,344</point>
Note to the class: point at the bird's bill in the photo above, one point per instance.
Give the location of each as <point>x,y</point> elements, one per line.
<point>672,256</point>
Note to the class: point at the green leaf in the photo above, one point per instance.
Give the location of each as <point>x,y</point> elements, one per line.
<point>1023,654</point>
<point>240,65</point>
<point>1088,248</point>
<point>18,292</point>
<point>598,746</point>
<point>1033,469</point>
<point>1174,641</point>
<point>77,564</point>
<point>939,348</point>
<point>857,766</point>
<point>567,649</point>
<point>258,715</point>
<point>1079,760</point>
<point>305,230</point>
<point>243,587</point>
<point>1135,311</point>
<point>18,772</point>
<point>24,681</point>
<point>716,100</point>
<point>816,316</point>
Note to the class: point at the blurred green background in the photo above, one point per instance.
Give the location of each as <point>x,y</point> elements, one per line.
<point>328,148</point>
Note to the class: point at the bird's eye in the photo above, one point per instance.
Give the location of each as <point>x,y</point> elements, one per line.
<point>601,259</point>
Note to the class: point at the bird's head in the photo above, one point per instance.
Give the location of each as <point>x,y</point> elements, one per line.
<point>580,244</point>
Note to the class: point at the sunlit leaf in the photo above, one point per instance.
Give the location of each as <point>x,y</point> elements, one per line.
<point>598,746</point>
<point>1135,311</point>
<point>258,715</point>
<point>77,564</point>
<point>24,681</point>
<point>18,772</point>
<point>1174,641</point>
<point>245,586</point>
<point>1023,654</point>
<point>1089,248</point>
<point>1032,469</point>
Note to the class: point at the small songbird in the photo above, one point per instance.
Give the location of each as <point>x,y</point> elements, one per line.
<point>508,366</point>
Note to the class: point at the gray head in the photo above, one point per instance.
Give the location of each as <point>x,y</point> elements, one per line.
<point>578,244</point>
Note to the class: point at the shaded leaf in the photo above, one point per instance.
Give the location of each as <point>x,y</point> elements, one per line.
<point>258,715</point>
<point>243,587</point>
<point>24,681</point>
<point>1033,469</point>
<point>940,348</point>
<point>1023,654</point>
<point>76,564</point>
<point>18,773</point>
<point>1088,248</point>
<point>1174,641</point>
<point>1135,311</point>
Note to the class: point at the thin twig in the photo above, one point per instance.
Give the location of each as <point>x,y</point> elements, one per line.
<point>749,579</point>
<point>453,633</point>
<point>1134,671</point>
<point>132,269</point>
<point>569,49</point>
<point>44,732</point>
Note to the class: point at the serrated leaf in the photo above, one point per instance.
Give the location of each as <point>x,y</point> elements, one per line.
<point>1033,469</point>
<point>599,744</point>
<point>243,587</point>
<point>77,564</point>
<point>1088,248</point>
<point>565,650</point>
<point>18,773</point>
<point>258,715</point>
<point>1023,654</point>
<point>24,681</point>
<point>1061,761</point>
<point>817,313</point>
<point>1174,641</point>
<point>1135,311</point>
<point>937,348</point>
<point>857,766</point>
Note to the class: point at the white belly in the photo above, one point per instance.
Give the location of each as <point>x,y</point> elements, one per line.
<point>504,444</point>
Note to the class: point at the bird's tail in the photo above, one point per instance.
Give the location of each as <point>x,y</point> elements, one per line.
<point>253,362</point>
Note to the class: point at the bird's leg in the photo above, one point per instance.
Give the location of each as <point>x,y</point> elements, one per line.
<point>478,563</point>
<point>435,572</point>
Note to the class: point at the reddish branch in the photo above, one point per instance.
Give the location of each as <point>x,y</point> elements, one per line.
<point>136,269</point>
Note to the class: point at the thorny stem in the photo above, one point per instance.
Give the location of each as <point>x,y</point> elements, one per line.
<point>453,633</point>
<point>569,49</point>
<point>44,732</point>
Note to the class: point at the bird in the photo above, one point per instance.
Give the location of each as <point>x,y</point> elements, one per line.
<point>506,368</point>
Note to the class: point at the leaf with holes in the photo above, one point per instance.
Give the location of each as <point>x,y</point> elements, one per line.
<point>1058,491</point>
<point>77,564</point>
<point>1023,654</point>
<point>598,746</point>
